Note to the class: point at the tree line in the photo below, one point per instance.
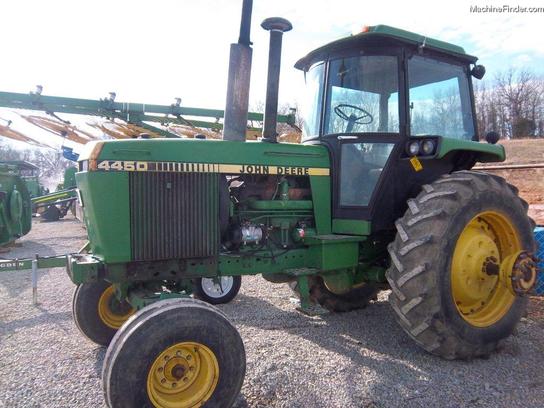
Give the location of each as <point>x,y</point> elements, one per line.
<point>50,162</point>
<point>511,103</point>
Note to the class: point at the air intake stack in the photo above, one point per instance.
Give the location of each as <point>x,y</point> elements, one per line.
<point>277,26</point>
<point>238,83</point>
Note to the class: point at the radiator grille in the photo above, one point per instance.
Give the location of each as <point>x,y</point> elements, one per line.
<point>173,215</point>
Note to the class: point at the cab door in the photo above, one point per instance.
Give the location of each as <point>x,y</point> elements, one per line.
<point>363,126</point>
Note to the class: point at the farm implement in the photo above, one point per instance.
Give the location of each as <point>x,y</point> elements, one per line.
<point>122,120</point>
<point>380,195</point>
<point>54,206</point>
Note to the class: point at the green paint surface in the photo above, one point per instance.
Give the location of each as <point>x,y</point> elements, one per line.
<point>105,203</point>
<point>486,152</point>
<point>350,227</point>
<point>321,196</point>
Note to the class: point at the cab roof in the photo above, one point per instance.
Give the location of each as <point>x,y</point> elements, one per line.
<point>20,164</point>
<point>383,35</point>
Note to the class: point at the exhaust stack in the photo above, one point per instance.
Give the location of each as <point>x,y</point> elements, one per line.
<point>277,26</point>
<point>236,108</point>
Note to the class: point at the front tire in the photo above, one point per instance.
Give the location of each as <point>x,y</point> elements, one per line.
<point>217,290</point>
<point>175,354</point>
<point>446,292</point>
<point>97,313</point>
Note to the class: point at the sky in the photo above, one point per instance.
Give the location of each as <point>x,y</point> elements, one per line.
<point>154,51</point>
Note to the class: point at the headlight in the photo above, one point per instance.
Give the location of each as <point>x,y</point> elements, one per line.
<point>413,148</point>
<point>427,147</point>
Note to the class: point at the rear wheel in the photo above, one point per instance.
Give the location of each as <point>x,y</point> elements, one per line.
<point>97,312</point>
<point>356,298</point>
<point>175,354</point>
<point>51,213</point>
<point>453,263</point>
<point>217,290</point>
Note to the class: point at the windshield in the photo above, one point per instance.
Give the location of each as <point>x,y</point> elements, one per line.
<point>439,99</point>
<point>311,105</point>
<point>363,95</point>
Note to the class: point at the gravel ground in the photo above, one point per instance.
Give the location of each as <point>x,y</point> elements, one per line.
<point>356,359</point>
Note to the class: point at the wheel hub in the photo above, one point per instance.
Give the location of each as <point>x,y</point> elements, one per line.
<point>217,287</point>
<point>491,266</point>
<point>482,269</point>
<point>182,376</point>
<point>112,312</point>
<point>519,271</point>
<point>475,279</point>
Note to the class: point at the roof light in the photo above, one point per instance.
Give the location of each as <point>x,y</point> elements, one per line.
<point>359,30</point>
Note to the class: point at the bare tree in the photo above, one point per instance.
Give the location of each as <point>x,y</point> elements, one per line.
<point>50,162</point>
<point>518,96</point>
<point>512,104</point>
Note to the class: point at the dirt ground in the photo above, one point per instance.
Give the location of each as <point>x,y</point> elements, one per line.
<point>530,182</point>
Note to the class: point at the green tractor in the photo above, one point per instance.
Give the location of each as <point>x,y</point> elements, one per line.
<point>380,195</point>
<point>15,205</point>
<point>30,174</point>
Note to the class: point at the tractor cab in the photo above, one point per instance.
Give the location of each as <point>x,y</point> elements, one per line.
<point>29,173</point>
<point>388,104</point>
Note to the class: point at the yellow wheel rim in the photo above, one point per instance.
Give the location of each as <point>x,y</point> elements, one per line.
<point>183,376</point>
<point>481,293</point>
<point>112,312</point>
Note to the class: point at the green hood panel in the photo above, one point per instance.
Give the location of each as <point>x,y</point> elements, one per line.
<point>215,151</point>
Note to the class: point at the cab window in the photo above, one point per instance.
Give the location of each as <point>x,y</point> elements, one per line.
<point>439,99</point>
<point>363,95</point>
<point>311,104</point>
<point>361,167</point>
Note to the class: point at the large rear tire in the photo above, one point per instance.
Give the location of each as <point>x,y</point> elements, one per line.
<point>356,298</point>
<point>179,354</point>
<point>447,293</point>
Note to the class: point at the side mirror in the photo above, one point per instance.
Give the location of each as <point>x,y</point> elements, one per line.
<point>492,137</point>
<point>478,71</point>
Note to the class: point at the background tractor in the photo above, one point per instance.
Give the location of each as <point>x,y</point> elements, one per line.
<point>15,204</point>
<point>379,195</point>
<point>30,174</point>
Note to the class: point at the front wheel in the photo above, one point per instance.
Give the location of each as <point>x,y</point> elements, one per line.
<point>460,263</point>
<point>217,290</point>
<point>97,312</point>
<point>175,354</point>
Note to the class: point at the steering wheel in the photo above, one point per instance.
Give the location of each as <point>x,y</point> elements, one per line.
<point>364,119</point>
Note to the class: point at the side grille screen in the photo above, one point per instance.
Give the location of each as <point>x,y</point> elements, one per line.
<point>174,215</point>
